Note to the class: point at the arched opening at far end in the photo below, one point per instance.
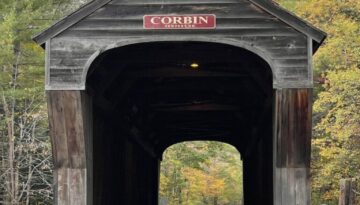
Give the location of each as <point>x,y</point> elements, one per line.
<point>201,172</point>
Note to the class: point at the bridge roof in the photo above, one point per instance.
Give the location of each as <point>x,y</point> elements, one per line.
<point>269,6</point>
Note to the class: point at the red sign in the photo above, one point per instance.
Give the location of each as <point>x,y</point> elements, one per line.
<point>198,21</point>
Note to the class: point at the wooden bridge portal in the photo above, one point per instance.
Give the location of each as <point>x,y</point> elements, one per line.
<point>127,79</point>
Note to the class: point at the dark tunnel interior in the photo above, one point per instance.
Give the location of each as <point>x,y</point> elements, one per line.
<point>149,96</point>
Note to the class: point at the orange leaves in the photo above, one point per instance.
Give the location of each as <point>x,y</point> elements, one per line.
<point>203,183</point>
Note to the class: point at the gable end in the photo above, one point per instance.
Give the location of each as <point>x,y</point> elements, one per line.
<point>269,6</point>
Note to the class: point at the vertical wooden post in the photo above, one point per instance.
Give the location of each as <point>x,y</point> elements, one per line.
<point>347,195</point>
<point>71,141</point>
<point>292,146</point>
<point>155,181</point>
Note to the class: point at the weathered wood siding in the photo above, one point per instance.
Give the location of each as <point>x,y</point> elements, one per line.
<point>120,22</point>
<point>292,146</point>
<point>347,192</point>
<point>70,121</point>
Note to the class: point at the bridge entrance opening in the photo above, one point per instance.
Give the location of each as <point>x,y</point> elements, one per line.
<point>148,96</point>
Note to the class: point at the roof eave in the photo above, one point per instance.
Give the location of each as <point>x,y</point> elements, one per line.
<point>287,17</point>
<point>292,20</point>
<point>316,45</point>
<point>67,21</point>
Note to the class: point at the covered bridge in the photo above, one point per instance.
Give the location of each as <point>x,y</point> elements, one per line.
<point>126,79</point>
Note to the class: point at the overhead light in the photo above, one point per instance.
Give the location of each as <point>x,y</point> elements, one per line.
<point>194,66</point>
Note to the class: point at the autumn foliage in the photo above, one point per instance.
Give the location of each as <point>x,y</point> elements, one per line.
<point>201,173</point>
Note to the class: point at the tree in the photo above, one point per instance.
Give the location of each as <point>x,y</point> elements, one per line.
<point>337,134</point>
<point>25,151</point>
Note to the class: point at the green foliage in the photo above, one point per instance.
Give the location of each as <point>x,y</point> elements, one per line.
<point>336,138</point>
<point>340,19</point>
<point>196,173</point>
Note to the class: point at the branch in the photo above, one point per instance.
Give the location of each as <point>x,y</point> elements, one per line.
<point>31,173</point>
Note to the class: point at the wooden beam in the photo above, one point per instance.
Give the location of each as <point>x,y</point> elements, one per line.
<point>108,78</point>
<point>178,73</point>
<point>70,130</point>
<point>146,146</point>
<point>195,107</point>
<point>292,146</point>
<point>118,95</point>
<point>291,20</point>
<point>260,80</point>
<point>347,194</point>
<point>99,100</point>
<point>257,157</point>
<point>70,20</point>
<point>258,127</point>
<point>222,85</point>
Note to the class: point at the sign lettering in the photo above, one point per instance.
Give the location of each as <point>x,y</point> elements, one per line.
<point>199,21</point>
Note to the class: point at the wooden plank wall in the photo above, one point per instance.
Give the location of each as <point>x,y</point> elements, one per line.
<point>124,173</point>
<point>238,22</point>
<point>347,192</point>
<point>69,130</point>
<point>257,175</point>
<point>292,137</point>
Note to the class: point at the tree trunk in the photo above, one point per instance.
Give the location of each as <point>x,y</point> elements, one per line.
<point>10,153</point>
<point>28,188</point>
<point>215,200</point>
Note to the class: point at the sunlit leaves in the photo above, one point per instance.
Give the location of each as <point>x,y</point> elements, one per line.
<point>201,173</point>
<point>337,133</point>
<point>336,140</point>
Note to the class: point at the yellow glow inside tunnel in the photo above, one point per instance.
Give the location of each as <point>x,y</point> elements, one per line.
<point>194,66</point>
